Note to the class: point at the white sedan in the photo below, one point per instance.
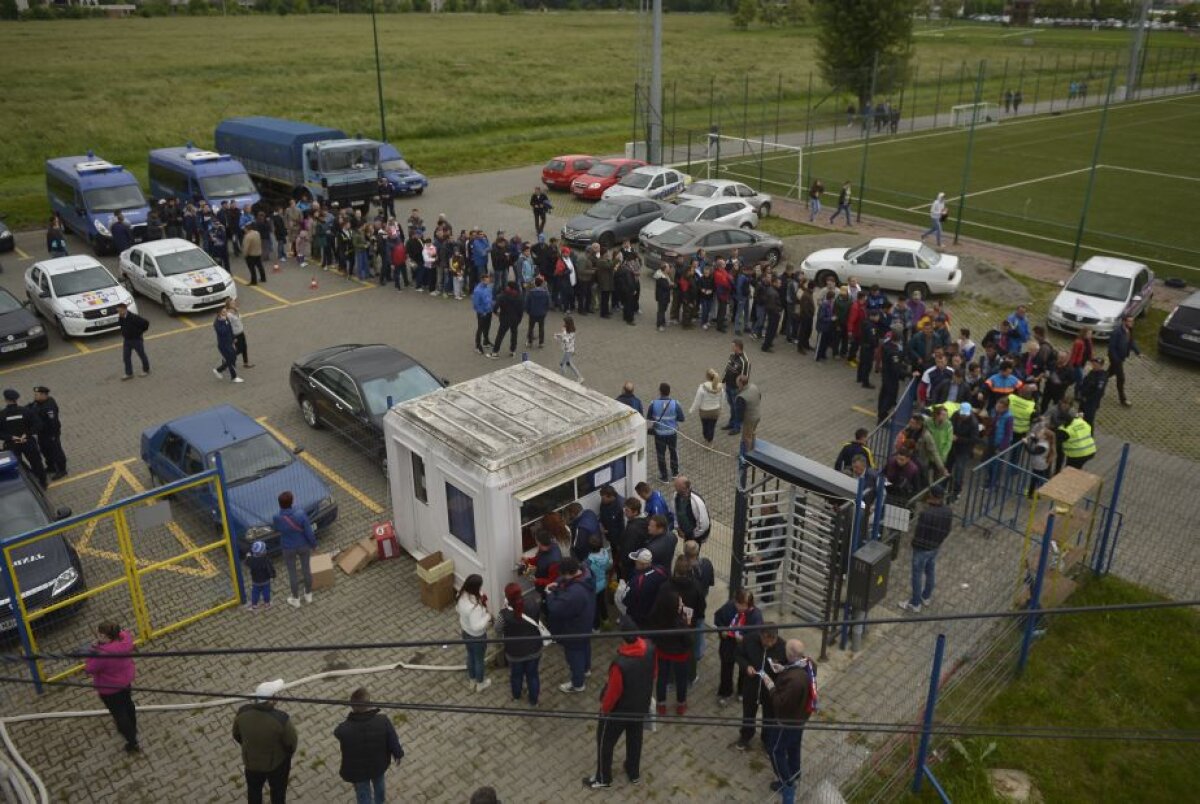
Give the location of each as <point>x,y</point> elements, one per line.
<point>891,263</point>
<point>726,188</point>
<point>730,211</point>
<point>652,181</point>
<point>78,294</point>
<point>176,273</point>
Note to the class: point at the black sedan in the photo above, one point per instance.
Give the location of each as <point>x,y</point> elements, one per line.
<point>717,240</point>
<point>348,388</point>
<point>20,331</point>
<point>1180,333</point>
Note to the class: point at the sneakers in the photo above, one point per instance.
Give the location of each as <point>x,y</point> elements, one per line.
<point>681,709</point>
<point>238,379</point>
<point>661,710</point>
<point>133,748</point>
<point>308,597</point>
<point>126,377</point>
<point>483,685</point>
<point>491,355</point>
<point>907,606</point>
<point>144,373</point>
<point>742,745</point>
<point>569,687</point>
<point>592,783</point>
<point>294,602</point>
<point>217,374</point>
<point>722,702</point>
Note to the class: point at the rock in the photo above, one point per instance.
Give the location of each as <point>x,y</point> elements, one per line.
<point>1014,785</point>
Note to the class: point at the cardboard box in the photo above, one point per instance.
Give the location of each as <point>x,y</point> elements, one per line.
<point>354,558</point>
<point>439,594</point>
<point>433,567</point>
<point>321,565</point>
<point>368,546</point>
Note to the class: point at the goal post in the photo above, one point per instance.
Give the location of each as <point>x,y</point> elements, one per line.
<point>765,163</point>
<point>966,115</point>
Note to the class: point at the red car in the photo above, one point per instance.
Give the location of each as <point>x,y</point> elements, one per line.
<point>559,171</point>
<point>591,185</point>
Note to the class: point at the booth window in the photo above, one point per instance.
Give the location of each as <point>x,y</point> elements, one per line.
<point>419,490</point>
<point>460,510</point>
<point>602,476</point>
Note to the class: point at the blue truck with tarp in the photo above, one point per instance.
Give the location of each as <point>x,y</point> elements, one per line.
<point>293,159</point>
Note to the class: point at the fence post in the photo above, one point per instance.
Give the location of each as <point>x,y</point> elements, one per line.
<point>912,116</point>
<point>1054,77</point>
<point>966,177</point>
<point>880,501</point>
<point>1003,82</point>
<point>869,119</point>
<point>18,612</point>
<point>738,548</point>
<point>1087,198</point>
<point>222,512</point>
<point>855,527</point>
<point>1098,567</point>
<point>746,109</point>
<point>779,100</point>
<point>141,614</point>
<point>808,132</point>
<point>1035,596</point>
<point>931,697</point>
<point>636,100</point>
<point>937,99</point>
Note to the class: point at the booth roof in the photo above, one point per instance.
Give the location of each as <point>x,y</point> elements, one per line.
<point>513,414</point>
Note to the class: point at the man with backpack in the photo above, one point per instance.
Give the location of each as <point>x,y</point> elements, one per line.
<point>793,694</point>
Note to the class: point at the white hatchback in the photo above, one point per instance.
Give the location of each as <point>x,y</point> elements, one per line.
<point>655,182</point>
<point>178,274</point>
<point>78,294</point>
<point>730,211</point>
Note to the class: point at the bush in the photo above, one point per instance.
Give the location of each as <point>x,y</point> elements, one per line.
<point>9,10</point>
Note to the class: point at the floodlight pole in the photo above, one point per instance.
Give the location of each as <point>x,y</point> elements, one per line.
<point>654,101</point>
<point>862,175</point>
<point>1087,196</point>
<point>1133,77</point>
<point>966,177</point>
<point>378,76</point>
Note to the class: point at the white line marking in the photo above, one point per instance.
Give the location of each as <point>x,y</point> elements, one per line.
<point>1150,172</point>
<point>920,207</point>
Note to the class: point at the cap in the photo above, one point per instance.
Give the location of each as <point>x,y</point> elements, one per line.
<point>269,689</point>
<point>258,548</point>
<point>11,394</point>
<point>41,389</point>
<point>642,555</point>
<point>965,408</point>
<point>568,566</point>
<point>936,491</point>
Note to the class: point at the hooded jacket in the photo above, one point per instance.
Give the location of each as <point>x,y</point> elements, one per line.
<point>369,742</point>
<point>571,607</point>
<point>630,682</point>
<point>111,673</point>
<point>267,736</point>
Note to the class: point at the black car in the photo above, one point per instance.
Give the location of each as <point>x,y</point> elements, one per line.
<point>48,570</point>
<point>348,388</point>
<point>1179,335</point>
<point>20,331</point>
<point>7,241</point>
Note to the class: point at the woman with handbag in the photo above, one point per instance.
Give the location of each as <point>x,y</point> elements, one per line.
<point>527,637</point>
<point>938,213</point>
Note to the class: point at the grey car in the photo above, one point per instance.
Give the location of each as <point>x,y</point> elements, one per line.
<point>610,221</point>
<point>717,240</point>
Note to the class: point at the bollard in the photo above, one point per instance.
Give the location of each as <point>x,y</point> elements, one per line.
<point>275,268</point>
<point>312,285</point>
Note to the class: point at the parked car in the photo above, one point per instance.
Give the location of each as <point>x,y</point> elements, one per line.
<point>48,570</point>
<point>20,332</point>
<point>1179,335</point>
<point>77,293</point>
<point>651,181</point>
<point>257,469</point>
<point>1099,294</point>
<point>602,175</point>
<point>717,240</point>
<point>725,188</point>
<point>891,263</point>
<point>176,273</point>
<point>560,171</point>
<point>729,211</point>
<point>611,221</point>
<point>401,175</point>
<point>347,388</point>
<point>7,241</point>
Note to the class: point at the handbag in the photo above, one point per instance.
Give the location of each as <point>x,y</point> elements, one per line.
<point>547,641</point>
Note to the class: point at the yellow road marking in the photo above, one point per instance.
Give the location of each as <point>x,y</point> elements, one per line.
<point>261,290</point>
<point>187,322</point>
<point>91,472</point>
<point>21,253</point>
<point>84,349</point>
<point>862,410</point>
<point>331,475</point>
<point>181,536</point>
<point>89,530</point>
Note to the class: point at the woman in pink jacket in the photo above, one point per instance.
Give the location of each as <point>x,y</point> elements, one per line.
<point>112,675</point>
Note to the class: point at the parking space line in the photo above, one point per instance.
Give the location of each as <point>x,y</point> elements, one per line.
<point>263,291</point>
<point>91,472</point>
<point>864,411</point>
<point>83,348</point>
<point>21,253</point>
<point>187,322</point>
<point>331,475</point>
<point>207,570</point>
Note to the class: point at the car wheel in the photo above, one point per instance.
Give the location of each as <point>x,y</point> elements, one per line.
<point>419,191</point>
<point>128,283</point>
<point>169,306</point>
<point>912,287</point>
<point>823,278</point>
<point>62,330</point>
<point>309,411</point>
<point>608,240</point>
<point>747,225</point>
<point>33,307</point>
<point>764,211</point>
<point>772,257</point>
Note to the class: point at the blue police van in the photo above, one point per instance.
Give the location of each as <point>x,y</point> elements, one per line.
<point>87,192</point>
<point>188,173</point>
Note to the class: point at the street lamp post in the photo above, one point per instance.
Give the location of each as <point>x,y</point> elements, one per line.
<point>378,76</point>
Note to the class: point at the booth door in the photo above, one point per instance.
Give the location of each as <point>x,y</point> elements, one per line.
<point>414,518</point>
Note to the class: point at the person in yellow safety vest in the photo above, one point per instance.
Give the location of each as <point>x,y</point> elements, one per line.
<point>1079,446</point>
<point>1022,406</point>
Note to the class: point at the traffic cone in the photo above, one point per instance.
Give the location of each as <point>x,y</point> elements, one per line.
<point>275,268</point>
<point>312,285</point>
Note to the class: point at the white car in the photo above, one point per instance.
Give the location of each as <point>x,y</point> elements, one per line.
<point>176,273</point>
<point>891,263</point>
<point>655,182</point>
<point>1102,291</point>
<point>730,211</point>
<point>77,293</point>
<point>725,188</point>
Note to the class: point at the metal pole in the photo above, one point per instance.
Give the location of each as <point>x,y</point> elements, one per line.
<point>654,102</point>
<point>762,150</point>
<point>962,79</point>
<point>1098,565</point>
<point>1074,60</point>
<point>1035,596</point>
<point>935,675</point>
<point>779,100</point>
<point>22,626</point>
<point>966,176</point>
<point>378,75</point>
<point>745,111</point>
<point>855,528</point>
<point>880,501</point>
<point>636,103</point>
<point>1087,198</point>
<point>1054,82</point>
<point>674,114</point>
<point>712,99</point>
<point>1132,77</point>
<point>740,512</point>
<point>912,115</point>
<point>862,176</point>
<point>808,131</point>
<point>1003,82</point>
<point>937,100</point>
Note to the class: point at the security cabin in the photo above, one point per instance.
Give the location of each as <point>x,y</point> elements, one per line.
<point>87,192</point>
<point>474,467</point>
<point>193,174</point>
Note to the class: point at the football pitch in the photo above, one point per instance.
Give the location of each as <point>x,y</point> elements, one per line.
<point>1028,178</point>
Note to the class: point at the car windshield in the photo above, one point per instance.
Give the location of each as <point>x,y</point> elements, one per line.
<point>82,281</point>
<point>930,256</point>
<point>1186,317</point>
<point>114,199</point>
<point>398,165</point>
<point>555,165</point>
<point>180,262</point>
<point>1100,286</point>
<point>683,214</point>
<point>702,190</point>
<point>605,210</point>
<point>349,158</point>
<point>674,237</point>
<point>638,181</point>
<point>252,458</point>
<point>19,510</point>
<point>602,170</point>
<point>854,252</point>
<point>406,384</point>
<point>227,186</point>
<point>8,302</point>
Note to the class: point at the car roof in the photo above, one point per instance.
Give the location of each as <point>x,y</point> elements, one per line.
<point>654,170</point>
<point>712,201</point>
<point>66,265</point>
<point>565,157</point>
<point>212,429</point>
<point>1113,266</point>
<point>895,242</point>
<point>1192,301</point>
<point>361,360</point>
<point>721,183</point>
<point>168,245</point>
<point>698,228</point>
<point>621,161</point>
<point>5,292</point>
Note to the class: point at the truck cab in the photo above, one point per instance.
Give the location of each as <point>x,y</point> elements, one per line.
<point>87,192</point>
<point>345,170</point>
<point>188,173</point>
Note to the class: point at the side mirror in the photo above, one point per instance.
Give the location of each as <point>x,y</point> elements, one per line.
<point>1137,298</point>
<point>296,450</point>
<point>62,513</point>
<point>445,382</point>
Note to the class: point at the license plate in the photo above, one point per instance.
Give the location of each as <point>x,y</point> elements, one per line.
<point>13,347</point>
<point>1189,337</point>
<point>8,624</point>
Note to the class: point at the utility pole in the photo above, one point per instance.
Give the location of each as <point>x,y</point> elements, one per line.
<point>378,76</point>
<point>1133,77</point>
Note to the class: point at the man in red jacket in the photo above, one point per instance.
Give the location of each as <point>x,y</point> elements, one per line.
<point>624,704</point>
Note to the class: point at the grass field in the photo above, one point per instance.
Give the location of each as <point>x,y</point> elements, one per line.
<point>462,92</point>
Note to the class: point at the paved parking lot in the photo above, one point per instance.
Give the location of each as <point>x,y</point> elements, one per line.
<point>808,407</point>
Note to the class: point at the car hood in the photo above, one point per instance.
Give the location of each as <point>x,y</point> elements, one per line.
<point>585,221</point>
<point>1071,302</point>
<point>94,299</point>
<point>255,502</point>
<point>655,228</point>
<point>621,190</point>
<point>39,563</point>
<point>200,278</point>
<point>827,255</point>
<point>18,322</point>
<point>403,176</point>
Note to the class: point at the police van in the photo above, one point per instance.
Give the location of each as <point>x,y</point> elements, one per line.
<point>87,192</point>
<point>191,174</point>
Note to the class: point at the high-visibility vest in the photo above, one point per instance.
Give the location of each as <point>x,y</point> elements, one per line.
<point>1022,411</point>
<point>1079,443</point>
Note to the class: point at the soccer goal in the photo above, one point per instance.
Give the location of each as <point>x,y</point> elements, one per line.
<point>966,115</point>
<point>763,163</point>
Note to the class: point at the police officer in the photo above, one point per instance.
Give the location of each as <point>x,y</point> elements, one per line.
<point>49,435</point>
<point>19,427</point>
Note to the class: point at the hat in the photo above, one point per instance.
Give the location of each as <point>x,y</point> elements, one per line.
<point>41,389</point>
<point>936,491</point>
<point>269,689</point>
<point>258,548</point>
<point>11,394</point>
<point>642,555</point>
<point>965,408</point>
<point>541,238</point>
<point>568,566</point>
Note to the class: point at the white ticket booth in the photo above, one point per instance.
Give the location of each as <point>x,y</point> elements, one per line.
<point>473,467</point>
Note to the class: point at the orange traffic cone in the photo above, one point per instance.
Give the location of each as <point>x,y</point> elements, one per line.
<point>275,268</point>
<point>312,285</point>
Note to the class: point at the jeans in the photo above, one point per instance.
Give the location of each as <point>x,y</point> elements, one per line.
<point>260,593</point>
<point>525,673</point>
<point>708,424</point>
<point>229,361</point>
<point>476,652</point>
<point>361,259</point>
<point>483,324</point>
<point>735,421</point>
<point>923,562</point>
<point>124,713</point>
<point>506,328</point>
<point>672,671</point>
<point>128,347</point>
<point>664,444</point>
<point>842,208</point>
<point>567,362</point>
<point>705,311</point>
<point>370,791</point>
<point>540,323</point>
<point>290,559</point>
<point>785,758</point>
<point>698,651</point>
<point>935,229</point>
<point>579,656</point>
<point>277,778</point>
<point>741,315</point>
<point>814,209</point>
